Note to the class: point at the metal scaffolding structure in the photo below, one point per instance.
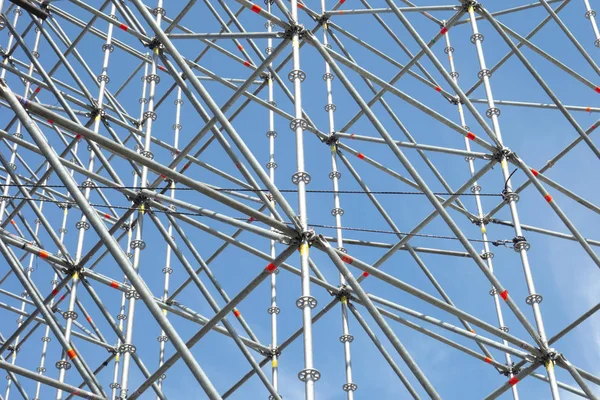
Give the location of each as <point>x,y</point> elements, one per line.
<point>141,124</point>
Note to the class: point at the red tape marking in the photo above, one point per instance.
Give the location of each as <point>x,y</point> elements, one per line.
<point>50,122</point>
<point>471,136</point>
<point>488,360</point>
<point>240,47</point>
<point>37,90</point>
<point>271,267</point>
<point>124,27</point>
<point>347,259</point>
<point>44,254</point>
<point>548,198</point>
<point>246,63</point>
<point>114,284</point>
<point>513,381</point>
<point>71,353</point>
<point>504,295</point>
<point>89,319</point>
<point>438,89</point>
<point>534,172</point>
<point>251,219</point>
<point>597,89</point>
<point>237,313</point>
<point>365,274</point>
<point>342,1</point>
<point>54,292</point>
<point>443,31</point>
<point>106,216</point>
<point>256,8</point>
<point>361,156</point>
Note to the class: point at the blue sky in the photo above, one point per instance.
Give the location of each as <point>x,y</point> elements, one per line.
<point>563,273</point>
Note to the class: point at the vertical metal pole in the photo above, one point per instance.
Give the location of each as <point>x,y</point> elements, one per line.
<point>309,375</point>
<point>138,244</point>
<point>487,255</point>
<point>167,270</point>
<point>70,315</point>
<point>346,338</point>
<point>273,309</point>
<point>521,245</point>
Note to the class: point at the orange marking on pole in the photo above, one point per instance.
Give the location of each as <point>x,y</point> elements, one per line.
<point>504,295</point>
<point>443,31</point>
<point>114,285</point>
<point>124,27</point>
<point>361,156</point>
<point>588,109</point>
<point>534,172</point>
<point>471,136</point>
<point>162,68</point>
<point>347,259</point>
<point>237,313</point>
<point>488,360</point>
<point>106,216</point>
<point>71,353</point>
<point>44,254</point>
<point>513,381</point>
<point>246,63</point>
<point>89,319</point>
<point>12,221</point>
<point>240,48</point>
<point>548,198</point>
<point>256,8</point>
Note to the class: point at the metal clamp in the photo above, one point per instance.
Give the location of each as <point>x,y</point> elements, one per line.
<point>337,211</point>
<point>122,317</point>
<point>132,294</point>
<point>301,176</point>
<point>150,115</point>
<point>306,301</point>
<point>476,37</point>
<point>153,78</point>
<point>46,339</point>
<point>454,74</point>
<point>88,183</point>
<point>309,374</point>
<point>330,107</point>
<point>349,387</point>
<point>298,123</point>
<point>504,329</point>
<point>103,78</point>
<point>449,50</point>
<point>269,50</point>
<point>148,154</point>
<point>328,76</point>
<point>70,315</point>
<point>509,196</point>
<point>138,244</point>
<point>162,338</point>
<point>272,134</point>
<point>82,225</point>
<point>534,298</point>
<point>487,255</point>
<point>177,127</point>
<point>475,189</point>
<point>274,310</point>
<point>590,13</point>
<point>269,24</point>
<point>41,369</point>
<point>335,175</point>
<point>493,292</point>
<point>167,270</point>
<point>126,348</point>
<point>159,11</point>
<point>297,74</point>
<point>346,338</point>
<point>108,47</point>
<point>484,72</point>
<point>492,111</point>
<point>271,164</point>
<point>63,364</point>
<point>114,385</point>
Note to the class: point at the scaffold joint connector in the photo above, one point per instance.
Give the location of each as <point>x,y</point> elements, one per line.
<point>332,139</point>
<point>322,19</point>
<point>295,29</point>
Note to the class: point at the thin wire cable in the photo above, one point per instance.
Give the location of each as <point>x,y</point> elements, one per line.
<point>346,228</point>
<point>320,191</point>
